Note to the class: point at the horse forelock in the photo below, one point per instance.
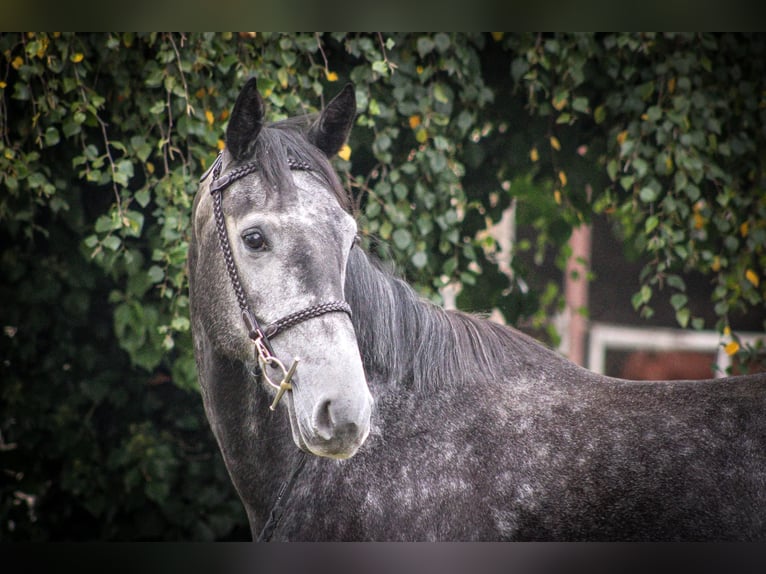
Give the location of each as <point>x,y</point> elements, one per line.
<point>279,144</point>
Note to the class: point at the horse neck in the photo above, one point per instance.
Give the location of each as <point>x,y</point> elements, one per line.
<point>404,339</point>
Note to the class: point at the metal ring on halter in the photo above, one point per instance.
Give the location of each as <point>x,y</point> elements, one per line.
<point>265,360</point>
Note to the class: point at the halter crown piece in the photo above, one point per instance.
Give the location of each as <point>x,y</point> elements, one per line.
<point>259,335</point>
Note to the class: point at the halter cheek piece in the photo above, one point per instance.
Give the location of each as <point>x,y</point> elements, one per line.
<point>260,335</point>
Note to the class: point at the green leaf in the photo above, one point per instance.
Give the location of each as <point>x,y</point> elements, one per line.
<point>676,281</point>
<point>385,230</point>
<point>599,115</point>
<point>419,259</point>
<point>468,278</point>
<point>646,90</point>
<point>682,316</point>
<point>580,105</point>
<point>651,223</point>
<point>402,238</point>
<point>449,267</point>
<point>678,301</point>
<point>441,94</point>
<point>380,67</point>
<point>143,197</point>
<point>648,194</point>
<point>157,107</point>
<point>107,223</point>
<point>283,76</point>
<point>424,46</point>
<point>180,324</point>
<point>373,209</point>
<point>654,113</point>
<point>640,166</point>
<point>70,128</point>
<point>611,169</point>
<point>519,67</point>
<point>51,136</point>
<point>156,273</point>
<point>112,242</point>
<point>627,182</point>
<point>134,223</point>
<point>442,41</point>
<point>646,293</point>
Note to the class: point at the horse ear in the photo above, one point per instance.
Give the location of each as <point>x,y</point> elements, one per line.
<point>245,122</point>
<point>331,129</point>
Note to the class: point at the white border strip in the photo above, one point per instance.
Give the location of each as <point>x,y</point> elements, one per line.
<point>606,336</point>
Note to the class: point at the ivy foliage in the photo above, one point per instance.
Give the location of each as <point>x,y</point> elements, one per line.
<point>677,124</point>
<point>103,138</point>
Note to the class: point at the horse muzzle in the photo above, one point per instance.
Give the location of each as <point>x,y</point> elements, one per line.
<point>334,426</point>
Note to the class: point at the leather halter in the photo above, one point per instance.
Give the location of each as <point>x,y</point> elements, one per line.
<point>259,335</point>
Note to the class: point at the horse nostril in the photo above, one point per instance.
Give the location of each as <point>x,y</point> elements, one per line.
<point>330,422</point>
<point>323,419</point>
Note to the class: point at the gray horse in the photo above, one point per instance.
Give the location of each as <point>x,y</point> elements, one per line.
<point>361,412</point>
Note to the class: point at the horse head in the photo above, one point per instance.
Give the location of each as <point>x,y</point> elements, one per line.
<point>272,233</point>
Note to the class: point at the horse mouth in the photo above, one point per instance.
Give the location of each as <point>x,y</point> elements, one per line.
<point>343,445</point>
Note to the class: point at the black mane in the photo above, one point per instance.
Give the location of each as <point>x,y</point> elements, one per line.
<point>413,341</point>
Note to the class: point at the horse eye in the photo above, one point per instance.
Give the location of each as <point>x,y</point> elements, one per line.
<point>254,239</point>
